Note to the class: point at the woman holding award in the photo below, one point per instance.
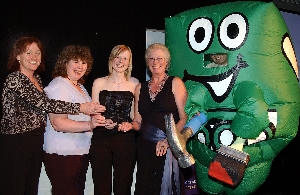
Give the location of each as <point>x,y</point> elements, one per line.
<point>115,144</point>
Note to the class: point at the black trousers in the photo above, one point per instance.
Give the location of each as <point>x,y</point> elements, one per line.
<point>67,174</point>
<point>119,152</point>
<point>20,163</point>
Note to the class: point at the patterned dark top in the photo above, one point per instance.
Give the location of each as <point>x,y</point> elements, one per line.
<point>25,107</point>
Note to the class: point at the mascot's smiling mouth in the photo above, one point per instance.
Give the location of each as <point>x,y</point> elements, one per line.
<point>219,86</point>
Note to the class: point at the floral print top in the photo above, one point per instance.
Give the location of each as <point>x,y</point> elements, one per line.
<point>25,107</point>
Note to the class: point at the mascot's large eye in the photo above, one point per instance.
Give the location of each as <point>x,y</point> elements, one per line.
<point>200,33</point>
<point>233,31</point>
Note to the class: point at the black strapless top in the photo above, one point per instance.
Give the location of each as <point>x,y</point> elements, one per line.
<point>117,104</point>
<point>118,107</point>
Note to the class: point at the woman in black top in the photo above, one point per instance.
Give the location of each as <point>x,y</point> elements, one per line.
<point>157,169</point>
<point>114,145</point>
<point>25,105</point>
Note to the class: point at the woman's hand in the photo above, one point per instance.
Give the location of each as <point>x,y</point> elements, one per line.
<point>162,147</point>
<point>90,108</point>
<point>109,124</point>
<point>125,126</point>
<point>97,120</point>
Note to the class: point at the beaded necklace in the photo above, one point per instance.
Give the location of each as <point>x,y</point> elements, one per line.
<point>73,82</point>
<point>161,85</point>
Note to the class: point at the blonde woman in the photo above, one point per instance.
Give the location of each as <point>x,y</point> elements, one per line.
<point>157,169</point>
<point>115,144</point>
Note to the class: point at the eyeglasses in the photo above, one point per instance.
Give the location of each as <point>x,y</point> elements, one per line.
<point>157,59</point>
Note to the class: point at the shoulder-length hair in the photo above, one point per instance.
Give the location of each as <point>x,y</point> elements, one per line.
<point>20,46</point>
<point>73,52</point>
<point>114,53</point>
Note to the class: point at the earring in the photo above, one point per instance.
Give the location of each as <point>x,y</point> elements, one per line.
<point>167,68</point>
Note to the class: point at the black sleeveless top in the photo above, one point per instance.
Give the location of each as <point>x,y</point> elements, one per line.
<point>164,103</point>
<point>118,106</point>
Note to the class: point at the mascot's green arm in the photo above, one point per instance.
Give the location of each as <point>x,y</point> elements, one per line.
<point>196,99</point>
<point>252,110</point>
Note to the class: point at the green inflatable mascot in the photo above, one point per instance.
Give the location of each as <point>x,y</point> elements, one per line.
<point>238,63</point>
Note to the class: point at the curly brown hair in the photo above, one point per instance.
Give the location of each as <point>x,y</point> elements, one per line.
<point>20,46</point>
<point>73,52</point>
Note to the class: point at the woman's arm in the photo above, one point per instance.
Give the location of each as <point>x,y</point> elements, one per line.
<point>180,95</point>
<point>24,89</point>
<point>127,126</point>
<point>61,122</point>
<point>96,88</point>
<point>136,83</point>
<point>137,120</point>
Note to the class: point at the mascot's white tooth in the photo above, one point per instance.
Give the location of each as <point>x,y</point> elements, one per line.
<point>201,138</point>
<point>221,86</point>
<point>273,118</point>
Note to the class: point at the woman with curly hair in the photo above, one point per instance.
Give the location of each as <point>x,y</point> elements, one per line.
<point>67,138</point>
<point>22,128</point>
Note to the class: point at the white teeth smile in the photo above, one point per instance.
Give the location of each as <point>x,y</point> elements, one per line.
<point>120,65</point>
<point>32,62</point>
<point>221,86</point>
<point>156,66</point>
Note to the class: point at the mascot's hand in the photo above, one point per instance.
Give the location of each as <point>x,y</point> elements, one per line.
<point>229,165</point>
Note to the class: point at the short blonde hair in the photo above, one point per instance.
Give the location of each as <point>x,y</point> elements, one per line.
<point>115,53</point>
<point>155,47</point>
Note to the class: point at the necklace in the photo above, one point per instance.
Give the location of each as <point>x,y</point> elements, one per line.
<point>77,84</point>
<point>161,85</point>
<point>118,84</point>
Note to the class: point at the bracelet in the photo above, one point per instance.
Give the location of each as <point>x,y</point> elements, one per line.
<point>138,123</point>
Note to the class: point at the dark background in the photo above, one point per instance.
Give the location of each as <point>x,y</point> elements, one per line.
<point>103,24</point>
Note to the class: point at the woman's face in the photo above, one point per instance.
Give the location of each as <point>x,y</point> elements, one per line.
<point>157,62</point>
<point>76,69</point>
<point>30,59</point>
<point>121,62</point>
